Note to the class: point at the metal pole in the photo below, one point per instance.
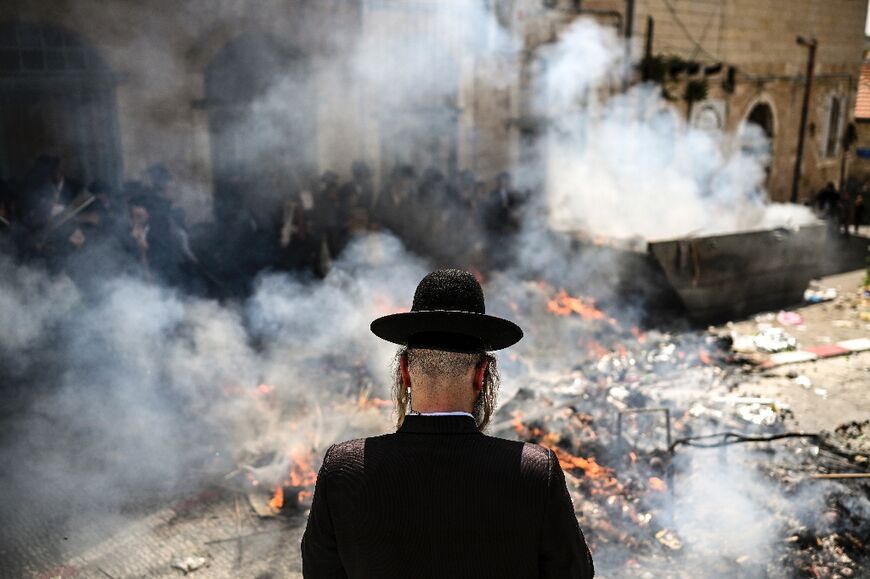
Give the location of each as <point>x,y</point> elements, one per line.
<point>811,44</point>
<point>629,32</point>
<point>629,19</point>
<point>648,48</point>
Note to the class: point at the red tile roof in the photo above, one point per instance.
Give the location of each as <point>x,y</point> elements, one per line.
<point>862,102</point>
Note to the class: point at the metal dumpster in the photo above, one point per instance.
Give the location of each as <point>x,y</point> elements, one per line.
<point>728,276</point>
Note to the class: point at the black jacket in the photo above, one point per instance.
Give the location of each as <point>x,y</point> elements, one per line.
<point>438,499</point>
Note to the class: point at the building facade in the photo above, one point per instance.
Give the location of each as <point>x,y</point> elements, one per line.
<point>746,57</point>
<point>275,91</point>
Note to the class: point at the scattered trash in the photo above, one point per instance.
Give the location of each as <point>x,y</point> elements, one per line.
<point>803,381</point>
<point>774,340</point>
<point>789,318</point>
<point>821,392</point>
<point>744,400</point>
<point>189,564</point>
<point>762,414</point>
<point>669,539</point>
<point>755,410</point>
<point>743,344</point>
<point>697,410</point>
<point>815,293</point>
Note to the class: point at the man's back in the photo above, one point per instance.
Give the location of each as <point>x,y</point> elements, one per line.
<point>440,499</point>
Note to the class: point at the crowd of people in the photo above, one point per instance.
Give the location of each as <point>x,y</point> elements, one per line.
<point>91,231</point>
<point>301,225</point>
<point>842,210</point>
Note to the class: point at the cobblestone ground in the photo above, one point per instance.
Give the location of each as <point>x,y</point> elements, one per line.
<point>216,526</point>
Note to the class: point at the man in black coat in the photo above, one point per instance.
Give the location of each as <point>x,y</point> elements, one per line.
<point>439,499</point>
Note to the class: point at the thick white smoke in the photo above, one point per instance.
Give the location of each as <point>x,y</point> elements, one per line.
<point>628,165</point>
<point>134,388</point>
<point>137,389</point>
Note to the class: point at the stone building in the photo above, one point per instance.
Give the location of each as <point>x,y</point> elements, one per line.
<point>272,92</point>
<point>745,54</point>
<point>217,90</point>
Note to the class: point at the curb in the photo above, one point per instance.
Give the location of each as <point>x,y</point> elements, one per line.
<point>817,353</point>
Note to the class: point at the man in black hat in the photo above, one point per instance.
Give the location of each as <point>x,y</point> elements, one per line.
<point>439,499</point>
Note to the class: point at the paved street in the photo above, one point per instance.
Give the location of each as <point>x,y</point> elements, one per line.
<point>828,392</point>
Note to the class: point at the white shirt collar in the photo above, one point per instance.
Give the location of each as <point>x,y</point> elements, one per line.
<point>446,414</point>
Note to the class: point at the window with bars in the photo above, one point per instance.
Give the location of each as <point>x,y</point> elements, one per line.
<point>29,48</point>
<point>833,125</point>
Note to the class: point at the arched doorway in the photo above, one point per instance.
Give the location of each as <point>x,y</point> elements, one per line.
<point>262,123</point>
<point>57,96</point>
<point>758,135</point>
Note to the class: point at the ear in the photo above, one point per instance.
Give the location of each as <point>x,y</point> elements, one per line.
<point>480,375</point>
<point>403,368</point>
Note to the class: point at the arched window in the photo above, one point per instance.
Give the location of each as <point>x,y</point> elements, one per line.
<point>56,96</point>
<point>760,117</point>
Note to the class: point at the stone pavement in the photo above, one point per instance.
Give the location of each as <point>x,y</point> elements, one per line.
<point>822,385</point>
<point>217,526</point>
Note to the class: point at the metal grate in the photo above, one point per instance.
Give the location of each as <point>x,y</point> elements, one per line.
<point>30,48</point>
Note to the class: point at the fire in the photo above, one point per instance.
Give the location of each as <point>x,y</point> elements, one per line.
<point>300,480</point>
<point>638,334</point>
<point>302,474</point>
<point>657,484</point>
<point>589,465</point>
<point>564,304</point>
<point>596,349</point>
<point>277,501</point>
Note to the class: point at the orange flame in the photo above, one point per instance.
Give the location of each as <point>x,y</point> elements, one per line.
<point>657,484</point>
<point>641,337</point>
<point>302,474</point>
<point>596,350</point>
<point>565,305</point>
<point>277,501</point>
<point>589,465</point>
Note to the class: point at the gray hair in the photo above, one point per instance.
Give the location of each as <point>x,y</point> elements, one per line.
<point>448,366</point>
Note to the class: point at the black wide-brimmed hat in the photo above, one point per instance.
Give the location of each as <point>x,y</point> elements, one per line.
<point>448,313</point>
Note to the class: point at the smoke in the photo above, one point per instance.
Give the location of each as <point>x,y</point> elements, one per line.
<point>627,165</point>
<point>729,491</point>
<point>137,389</point>
<point>132,389</point>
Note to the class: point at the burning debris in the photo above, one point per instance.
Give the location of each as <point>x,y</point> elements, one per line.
<point>127,394</point>
<point>647,425</point>
<point>623,432</point>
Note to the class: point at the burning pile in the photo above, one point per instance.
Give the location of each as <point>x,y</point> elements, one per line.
<point>278,476</point>
<point>620,417</point>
